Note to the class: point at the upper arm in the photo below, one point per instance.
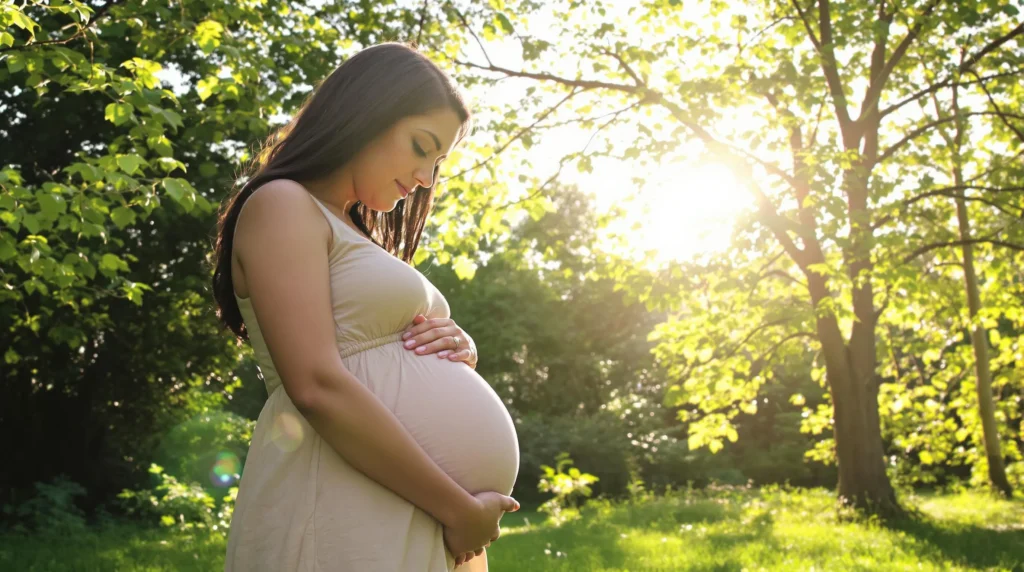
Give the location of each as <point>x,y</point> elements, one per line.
<point>282,245</point>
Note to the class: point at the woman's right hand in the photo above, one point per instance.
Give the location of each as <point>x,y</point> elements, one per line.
<point>478,527</point>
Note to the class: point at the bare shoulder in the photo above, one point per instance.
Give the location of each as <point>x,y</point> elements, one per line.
<point>277,208</point>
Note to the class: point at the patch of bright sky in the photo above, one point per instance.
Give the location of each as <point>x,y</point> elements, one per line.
<point>676,209</point>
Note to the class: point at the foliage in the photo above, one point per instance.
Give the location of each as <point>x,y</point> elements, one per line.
<point>570,489</point>
<point>210,448</point>
<point>52,510</point>
<point>185,506</point>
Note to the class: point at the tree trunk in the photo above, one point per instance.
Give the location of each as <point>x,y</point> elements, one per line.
<point>850,372</point>
<point>979,337</point>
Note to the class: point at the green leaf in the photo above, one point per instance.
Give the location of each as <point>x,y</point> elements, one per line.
<point>31,222</point>
<point>206,86</point>
<point>123,216</point>
<point>6,40</point>
<point>926,457</point>
<point>7,250</point>
<point>207,35</point>
<point>505,23</point>
<point>112,263</point>
<point>15,63</point>
<point>464,268</point>
<point>21,20</point>
<point>118,113</point>
<point>130,163</point>
<point>181,191</point>
<point>51,205</point>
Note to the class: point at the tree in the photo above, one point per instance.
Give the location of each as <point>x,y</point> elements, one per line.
<point>832,90</point>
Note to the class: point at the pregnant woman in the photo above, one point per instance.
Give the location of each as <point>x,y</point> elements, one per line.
<point>368,455</point>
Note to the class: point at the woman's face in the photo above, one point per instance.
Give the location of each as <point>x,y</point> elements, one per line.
<point>403,158</point>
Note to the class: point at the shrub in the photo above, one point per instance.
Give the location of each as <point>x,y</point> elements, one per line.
<point>569,489</point>
<point>183,505</point>
<point>51,509</point>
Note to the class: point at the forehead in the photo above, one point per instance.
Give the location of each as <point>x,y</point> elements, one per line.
<point>443,123</point>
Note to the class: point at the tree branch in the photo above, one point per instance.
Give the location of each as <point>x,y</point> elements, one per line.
<point>554,78</point>
<point>991,47</point>
<point>930,247</point>
<point>945,83</point>
<point>99,14</point>
<point>625,66</point>
<point>831,67</point>
<point>423,19</point>
<point>518,135</point>
<point>995,106</point>
<point>878,82</point>
<point>951,191</point>
<point>473,33</point>
<point>889,152</point>
<point>807,26</point>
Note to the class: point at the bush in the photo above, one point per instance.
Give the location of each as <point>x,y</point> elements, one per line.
<point>51,510</point>
<point>183,505</point>
<point>569,489</point>
<point>209,448</point>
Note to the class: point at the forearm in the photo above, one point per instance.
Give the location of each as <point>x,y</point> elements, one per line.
<point>352,421</point>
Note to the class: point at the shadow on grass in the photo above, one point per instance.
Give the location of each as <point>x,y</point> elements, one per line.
<point>966,544</point>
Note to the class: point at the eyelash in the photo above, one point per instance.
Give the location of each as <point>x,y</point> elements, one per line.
<point>419,150</point>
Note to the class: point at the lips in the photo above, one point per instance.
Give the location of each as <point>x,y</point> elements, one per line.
<point>402,190</point>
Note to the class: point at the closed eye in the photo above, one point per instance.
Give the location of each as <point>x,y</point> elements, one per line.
<point>419,150</point>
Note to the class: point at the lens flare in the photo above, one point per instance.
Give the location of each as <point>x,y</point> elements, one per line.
<point>226,469</point>
<point>287,432</point>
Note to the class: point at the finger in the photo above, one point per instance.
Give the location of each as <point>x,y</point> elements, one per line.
<point>426,325</point>
<point>440,344</point>
<point>431,335</point>
<point>461,355</point>
<point>479,552</point>
<point>509,504</point>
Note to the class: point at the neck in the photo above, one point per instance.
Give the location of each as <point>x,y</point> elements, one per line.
<point>335,189</point>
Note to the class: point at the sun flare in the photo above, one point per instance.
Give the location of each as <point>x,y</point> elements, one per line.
<point>684,210</point>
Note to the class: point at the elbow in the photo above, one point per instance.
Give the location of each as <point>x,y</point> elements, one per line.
<point>311,390</point>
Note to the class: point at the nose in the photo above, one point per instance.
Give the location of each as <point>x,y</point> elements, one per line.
<point>424,177</point>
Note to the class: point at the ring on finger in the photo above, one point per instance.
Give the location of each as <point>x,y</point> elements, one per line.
<point>458,342</point>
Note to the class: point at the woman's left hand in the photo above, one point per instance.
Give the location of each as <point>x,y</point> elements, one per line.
<point>441,336</point>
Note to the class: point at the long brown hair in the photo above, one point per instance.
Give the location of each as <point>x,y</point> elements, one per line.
<point>361,99</point>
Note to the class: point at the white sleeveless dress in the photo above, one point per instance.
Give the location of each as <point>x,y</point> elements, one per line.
<point>300,506</point>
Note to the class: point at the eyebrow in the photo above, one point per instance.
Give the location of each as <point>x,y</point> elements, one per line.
<point>437,141</point>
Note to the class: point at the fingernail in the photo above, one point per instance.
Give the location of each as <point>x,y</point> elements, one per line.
<point>410,343</point>
<point>406,335</point>
<point>420,349</point>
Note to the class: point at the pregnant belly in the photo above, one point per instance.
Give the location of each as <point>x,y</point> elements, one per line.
<point>451,412</point>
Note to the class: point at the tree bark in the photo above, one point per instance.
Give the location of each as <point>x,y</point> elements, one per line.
<point>850,372</point>
<point>979,337</point>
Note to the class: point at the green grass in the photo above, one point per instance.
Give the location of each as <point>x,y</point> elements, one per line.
<point>718,531</point>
